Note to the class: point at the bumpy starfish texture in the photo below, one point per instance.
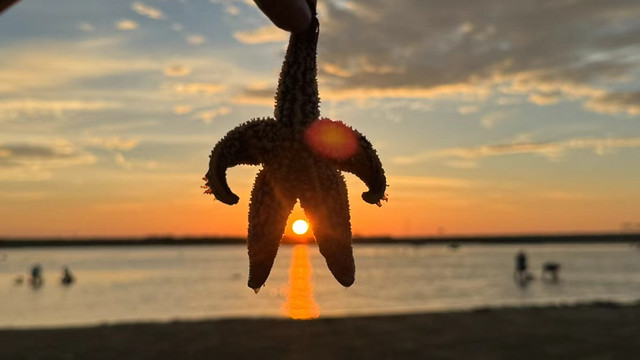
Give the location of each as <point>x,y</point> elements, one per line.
<point>293,169</point>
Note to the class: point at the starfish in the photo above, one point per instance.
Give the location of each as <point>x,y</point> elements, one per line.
<point>302,156</point>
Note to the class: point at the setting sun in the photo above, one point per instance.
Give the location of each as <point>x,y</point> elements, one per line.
<point>300,227</point>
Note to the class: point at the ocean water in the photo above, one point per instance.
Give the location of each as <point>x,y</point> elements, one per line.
<point>125,284</point>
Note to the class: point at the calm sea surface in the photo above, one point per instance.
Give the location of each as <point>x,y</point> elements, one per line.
<point>123,284</point>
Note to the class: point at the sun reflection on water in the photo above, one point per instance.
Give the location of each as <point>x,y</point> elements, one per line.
<point>300,303</point>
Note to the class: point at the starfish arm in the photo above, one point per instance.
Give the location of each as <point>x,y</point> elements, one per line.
<point>271,205</point>
<point>297,100</point>
<point>327,208</point>
<point>246,144</point>
<point>366,165</point>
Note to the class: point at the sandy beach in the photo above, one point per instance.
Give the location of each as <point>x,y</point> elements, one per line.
<point>594,331</point>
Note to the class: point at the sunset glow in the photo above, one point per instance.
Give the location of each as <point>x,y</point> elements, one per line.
<point>300,303</point>
<point>108,114</point>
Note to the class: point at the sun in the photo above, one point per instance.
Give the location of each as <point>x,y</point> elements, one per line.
<point>300,227</point>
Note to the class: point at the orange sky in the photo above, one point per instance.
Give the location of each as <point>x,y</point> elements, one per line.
<point>484,124</point>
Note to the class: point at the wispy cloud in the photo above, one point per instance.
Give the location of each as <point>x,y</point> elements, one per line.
<point>182,109</point>
<point>148,11</point>
<point>429,182</point>
<point>208,115</point>
<point>198,88</point>
<point>85,26</point>
<point>128,164</point>
<point>264,95</point>
<point>14,109</point>
<point>176,70</point>
<point>232,10</point>
<point>551,150</point>
<point>196,39</point>
<point>126,24</point>
<point>492,119</point>
<point>616,103</point>
<point>545,98</point>
<point>255,95</point>
<point>50,66</point>
<point>265,34</point>
<point>468,109</point>
<point>113,143</point>
<point>35,162</point>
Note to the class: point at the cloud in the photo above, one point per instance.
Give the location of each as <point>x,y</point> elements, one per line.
<point>462,164</point>
<point>113,143</point>
<point>615,103</point>
<point>545,98</point>
<point>490,120</point>
<point>182,109</point>
<point>429,182</point>
<point>255,95</point>
<point>119,159</point>
<point>504,101</point>
<point>336,70</point>
<point>85,26</point>
<point>468,109</point>
<point>198,88</point>
<point>207,116</point>
<point>17,108</point>
<point>126,24</point>
<point>551,150</point>
<point>127,164</point>
<point>231,6</point>
<point>232,10</point>
<point>66,63</point>
<point>264,95</point>
<point>572,46</point>
<point>176,70</point>
<point>196,39</point>
<point>148,11</point>
<point>35,162</point>
<point>265,34</point>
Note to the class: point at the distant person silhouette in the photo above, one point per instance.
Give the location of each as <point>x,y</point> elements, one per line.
<point>521,273</point>
<point>36,279</point>
<point>67,278</point>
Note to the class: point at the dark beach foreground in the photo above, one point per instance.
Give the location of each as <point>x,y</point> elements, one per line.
<point>595,331</point>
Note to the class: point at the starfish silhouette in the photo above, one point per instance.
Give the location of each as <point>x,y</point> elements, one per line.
<point>302,156</point>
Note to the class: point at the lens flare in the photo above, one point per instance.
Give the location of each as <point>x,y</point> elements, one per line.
<point>300,227</point>
<point>331,139</point>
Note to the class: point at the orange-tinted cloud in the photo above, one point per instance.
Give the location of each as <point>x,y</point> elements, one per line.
<point>573,47</point>
<point>35,162</point>
<point>552,150</point>
<point>147,11</point>
<point>126,24</point>
<point>265,34</point>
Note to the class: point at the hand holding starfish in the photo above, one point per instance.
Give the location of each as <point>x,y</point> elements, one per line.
<point>290,15</point>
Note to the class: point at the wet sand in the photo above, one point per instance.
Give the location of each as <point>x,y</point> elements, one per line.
<point>595,331</point>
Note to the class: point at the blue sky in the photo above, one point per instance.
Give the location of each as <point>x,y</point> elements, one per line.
<point>489,117</point>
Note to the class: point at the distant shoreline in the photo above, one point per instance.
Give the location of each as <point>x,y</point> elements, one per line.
<point>633,238</point>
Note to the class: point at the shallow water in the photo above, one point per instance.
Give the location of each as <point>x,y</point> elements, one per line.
<point>118,284</point>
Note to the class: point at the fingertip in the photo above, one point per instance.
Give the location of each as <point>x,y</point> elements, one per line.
<point>292,16</point>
